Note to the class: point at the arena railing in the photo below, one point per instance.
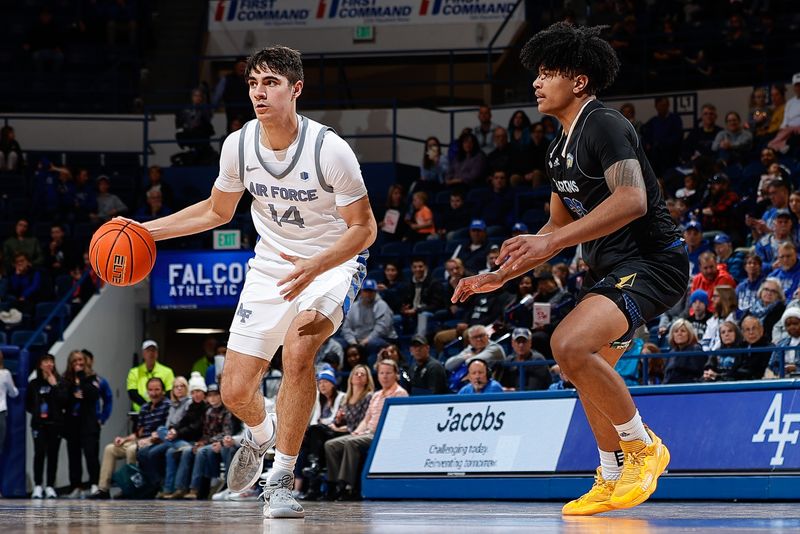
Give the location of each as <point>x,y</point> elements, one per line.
<point>60,305</point>
<point>523,365</point>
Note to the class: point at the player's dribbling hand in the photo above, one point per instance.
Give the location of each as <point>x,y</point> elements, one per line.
<point>127,220</point>
<point>480,283</point>
<point>304,272</point>
<point>525,248</point>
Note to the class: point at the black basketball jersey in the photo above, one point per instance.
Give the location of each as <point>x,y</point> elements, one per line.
<point>601,137</point>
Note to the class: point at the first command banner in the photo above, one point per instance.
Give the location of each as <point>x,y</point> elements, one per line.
<point>227,15</point>
<point>198,279</point>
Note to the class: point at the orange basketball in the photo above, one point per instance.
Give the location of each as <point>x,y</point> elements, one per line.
<point>122,253</point>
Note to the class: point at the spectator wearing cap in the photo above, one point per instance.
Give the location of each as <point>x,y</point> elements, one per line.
<point>152,415</point>
<point>695,245</point>
<point>536,377</point>
<point>421,298</point>
<point>747,290</point>
<point>734,142</point>
<point>109,205</point>
<point>778,191</point>
<point>480,380</point>
<point>711,275</point>
<point>732,260</point>
<point>719,206</point>
<point>370,321</point>
<point>139,375</point>
<point>788,270</point>
<point>698,313</point>
<point>790,127</point>
<point>217,425</point>
<point>787,361</point>
<point>428,376</point>
<point>519,229</point>
<point>178,437</point>
<point>783,232</point>
<point>474,254</point>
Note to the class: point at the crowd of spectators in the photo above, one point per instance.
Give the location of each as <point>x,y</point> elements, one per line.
<point>691,44</point>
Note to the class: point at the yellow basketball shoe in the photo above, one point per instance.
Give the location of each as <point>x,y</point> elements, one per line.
<point>643,465</point>
<point>597,500</point>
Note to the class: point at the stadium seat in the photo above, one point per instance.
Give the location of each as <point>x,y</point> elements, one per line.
<point>429,249</point>
<point>21,337</point>
<point>398,251</point>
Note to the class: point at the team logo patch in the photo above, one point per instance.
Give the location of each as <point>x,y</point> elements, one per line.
<point>570,159</point>
<point>626,281</point>
<point>243,313</point>
<point>304,176</point>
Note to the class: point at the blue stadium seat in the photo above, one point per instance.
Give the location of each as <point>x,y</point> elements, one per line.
<point>20,337</point>
<point>397,250</point>
<point>429,249</point>
<point>497,231</point>
<point>438,273</point>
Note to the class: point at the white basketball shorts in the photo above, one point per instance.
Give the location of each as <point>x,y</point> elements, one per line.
<point>263,317</point>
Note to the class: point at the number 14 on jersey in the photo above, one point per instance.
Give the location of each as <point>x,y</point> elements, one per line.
<point>290,216</point>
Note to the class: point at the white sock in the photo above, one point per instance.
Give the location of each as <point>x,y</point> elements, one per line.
<point>611,464</point>
<point>263,431</point>
<point>282,462</point>
<point>633,430</point>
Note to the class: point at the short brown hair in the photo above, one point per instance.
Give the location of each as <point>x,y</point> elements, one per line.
<point>280,60</point>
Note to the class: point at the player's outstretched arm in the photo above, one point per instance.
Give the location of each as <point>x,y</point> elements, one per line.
<point>627,202</point>
<point>216,210</point>
<point>488,282</point>
<point>360,234</point>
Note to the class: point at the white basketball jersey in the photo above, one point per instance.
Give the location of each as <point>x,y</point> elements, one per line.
<point>295,191</point>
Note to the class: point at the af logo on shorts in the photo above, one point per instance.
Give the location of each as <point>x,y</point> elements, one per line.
<point>243,313</point>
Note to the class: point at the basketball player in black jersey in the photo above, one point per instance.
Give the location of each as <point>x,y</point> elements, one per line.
<point>605,197</point>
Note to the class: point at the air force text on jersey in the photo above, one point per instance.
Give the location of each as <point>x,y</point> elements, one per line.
<point>283,193</point>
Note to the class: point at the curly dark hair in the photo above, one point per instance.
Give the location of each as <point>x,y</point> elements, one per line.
<point>280,60</point>
<point>571,51</point>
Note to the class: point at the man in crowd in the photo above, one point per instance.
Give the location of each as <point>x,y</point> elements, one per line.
<point>788,270</point>
<point>427,374</point>
<point>536,377</point>
<point>480,380</point>
<point>783,232</point>
<point>370,322</point>
<point>733,261</point>
<point>422,298</point>
<point>151,416</point>
<point>484,131</point>
<point>747,290</point>
<point>711,275</point>
<point>139,376</point>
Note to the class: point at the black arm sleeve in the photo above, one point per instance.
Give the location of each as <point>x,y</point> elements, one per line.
<point>134,396</point>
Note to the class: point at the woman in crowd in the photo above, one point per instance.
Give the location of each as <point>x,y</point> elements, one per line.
<point>725,309</point>
<point>655,366</point>
<point>730,337</point>
<point>769,304</point>
<point>433,171</point>
<point>682,369</point>
<point>45,400</point>
<point>353,355</point>
<point>469,165</point>
<point>519,131</point>
<point>151,459</point>
<point>517,312</point>
<point>392,286</point>
<point>82,429</point>
<point>391,220</point>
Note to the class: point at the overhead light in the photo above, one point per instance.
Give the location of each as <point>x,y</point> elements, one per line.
<point>200,331</point>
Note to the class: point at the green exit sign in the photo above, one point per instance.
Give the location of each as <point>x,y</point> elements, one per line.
<point>227,239</point>
<point>364,34</point>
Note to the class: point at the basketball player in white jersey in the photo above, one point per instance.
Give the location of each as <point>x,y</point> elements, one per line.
<point>314,221</point>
